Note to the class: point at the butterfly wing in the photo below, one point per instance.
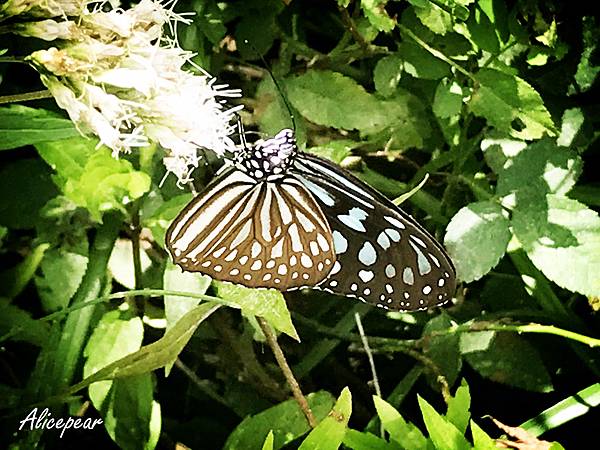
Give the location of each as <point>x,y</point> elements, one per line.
<point>254,233</point>
<point>384,257</point>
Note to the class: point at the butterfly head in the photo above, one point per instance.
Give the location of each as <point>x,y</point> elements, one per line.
<point>269,157</point>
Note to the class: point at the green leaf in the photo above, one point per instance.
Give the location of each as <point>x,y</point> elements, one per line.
<point>160,219</point>
<point>20,325</point>
<point>458,408</point>
<point>121,265</point>
<point>406,434</point>
<point>405,122</point>
<point>564,411</point>
<point>153,356</point>
<point>481,441</point>
<point>387,74</point>
<point>131,416</point>
<point>480,31</point>
<point>508,359</point>
<point>443,434</point>
<point>563,241</point>
<point>20,125</point>
<point>448,99</point>
<point>25,187</point>
<point>572,121</point>
<point>334,100</point>
<point>210,21</point>
<point>285,421</point>
<point>499,151</point>
<point>432,16</point>
<point>266,303</point>
<point>329,433</point>
<point>442,349</point>
<point>511,105</point>
<point>476,341</point>
<point>375,11</point>
<point>419,63</point>
<point>268,444</point>
<point>92,178</point>
<point>359,440</point>
<point>114,337</point>
<point>175,279</point>
<point>335,151</point>
<point>15,279</point>
<point>587,69</point>
<point>543,166</point>
<point>258,26</point>
<point>476,238</point>
<point>62,271</point>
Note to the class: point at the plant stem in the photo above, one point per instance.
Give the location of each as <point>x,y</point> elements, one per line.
<point>287,372</point>
<point>351,26</point>
<point>135,248</point>
<point>37,95</point>
<point>369,353</point>
<point>526,328</point>
<point>202,385</point>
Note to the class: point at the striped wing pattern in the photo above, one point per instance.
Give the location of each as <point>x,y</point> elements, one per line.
<point>384,257</point>
<point>258,233</point>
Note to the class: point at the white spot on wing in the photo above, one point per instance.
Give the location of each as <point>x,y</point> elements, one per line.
<point>367,254</point>
<point>422,261</point>
<point>393,234</point>
<point>322,242</point>
<point>395,222</point>
<point>390,271</point>
<point>408,276</point>
<point>340,244</point>
<point>306,261</point>
<point>256,248</point>
<point>366,275</point>
<point>353,219</point>
<point>383,241</point>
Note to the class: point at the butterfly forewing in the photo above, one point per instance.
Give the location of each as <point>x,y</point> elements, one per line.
<point>383,256</point>
<point>270,234</point>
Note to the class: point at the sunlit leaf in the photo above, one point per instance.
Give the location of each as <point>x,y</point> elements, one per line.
<point>285,421</point>
<point>404,433</point>
<point>443,434</point>
<point>476,238</point>
<point>511,105</point>
<point>266,303</point>
<point>329,433</point>
<point>512,360</point>
<point>562,238</point>
<point>21,125</point>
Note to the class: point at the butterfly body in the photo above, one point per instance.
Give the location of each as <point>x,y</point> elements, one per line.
<point>280,218</point>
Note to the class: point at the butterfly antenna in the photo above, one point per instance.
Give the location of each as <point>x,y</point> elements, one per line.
<point>268,69</point>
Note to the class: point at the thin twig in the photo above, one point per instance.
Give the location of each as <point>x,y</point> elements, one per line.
<point>135,247</point>
<point>287,372</point>
<point>37,95</point>
<point>351,26</point>
<point>202,385</point>
<point>365,342</point>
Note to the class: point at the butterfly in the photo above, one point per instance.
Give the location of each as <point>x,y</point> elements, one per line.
<point>276,217</point>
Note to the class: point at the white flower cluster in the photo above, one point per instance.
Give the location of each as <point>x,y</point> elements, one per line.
<point>121,78</point>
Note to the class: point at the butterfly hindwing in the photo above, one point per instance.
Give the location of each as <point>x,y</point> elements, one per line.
<point>255,233</point>
<point>384,257</point>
